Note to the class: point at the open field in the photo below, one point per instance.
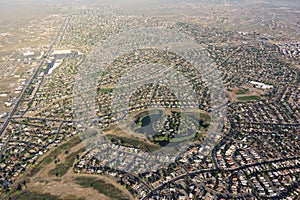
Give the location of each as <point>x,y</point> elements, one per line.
<point>62,168</point>
<point>50,180</point>
<point>101,186</point>
<point>54,154</point>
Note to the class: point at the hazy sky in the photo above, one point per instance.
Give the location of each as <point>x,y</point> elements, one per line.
<point>18,10</point>
<point>11,10</point>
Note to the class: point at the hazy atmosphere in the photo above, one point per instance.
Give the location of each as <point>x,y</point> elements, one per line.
<point>150,99</point>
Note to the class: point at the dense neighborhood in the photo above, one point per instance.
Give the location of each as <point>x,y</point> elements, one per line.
<point>239,111</point>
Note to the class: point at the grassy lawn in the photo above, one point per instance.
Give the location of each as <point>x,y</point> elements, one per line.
<point>249,98</point>
<point>199,116</point>
<point>199,137</point>
<point>25,195</point>
<point>240,92</point>
<point>133,142</point>
<point>101,186</point>
<point>105,90</point>
<point>28,195</point>
<point>51,157</point>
